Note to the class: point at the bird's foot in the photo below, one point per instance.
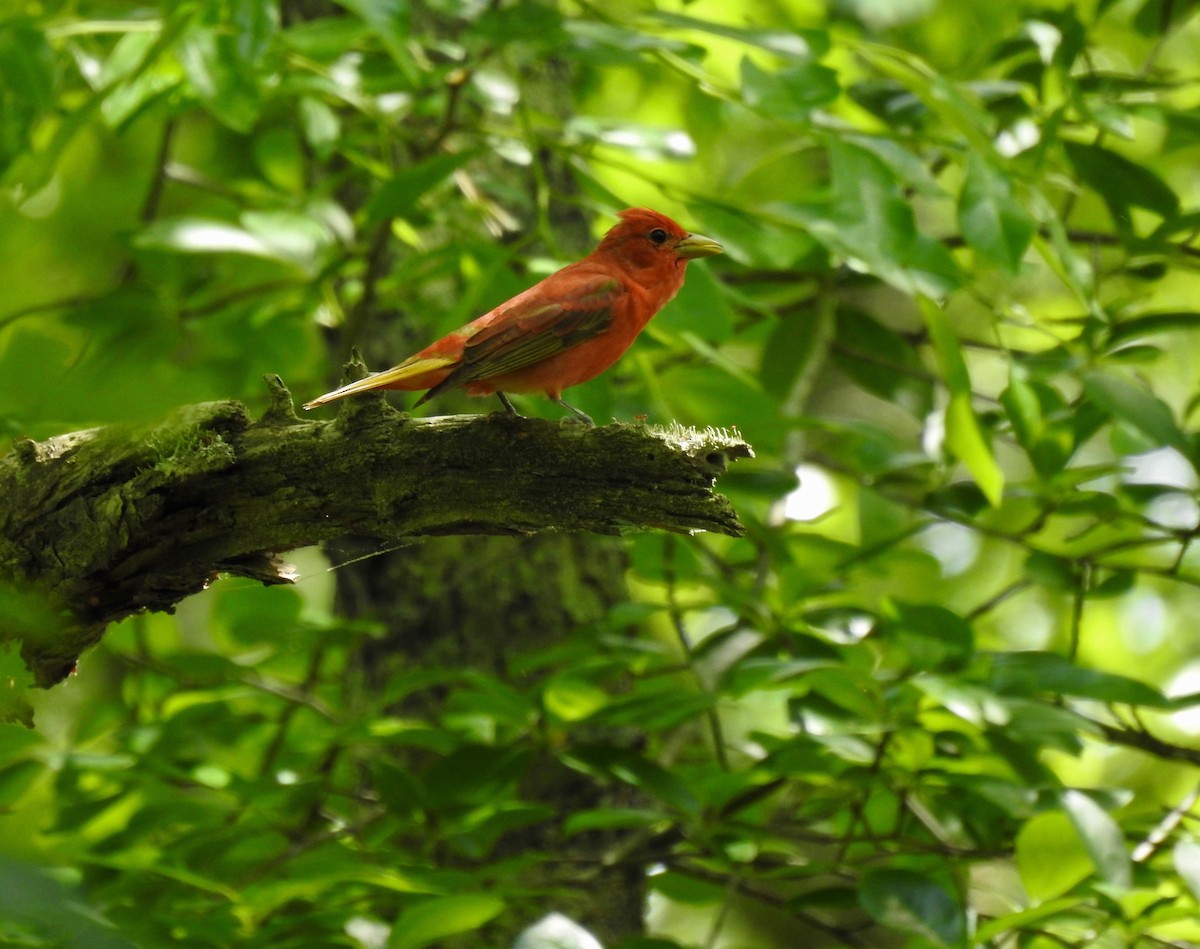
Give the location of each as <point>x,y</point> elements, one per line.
<point>509,408</point>
<point>580,416</point>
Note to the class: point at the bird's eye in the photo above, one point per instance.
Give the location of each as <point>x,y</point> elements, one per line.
<point>658,235</point>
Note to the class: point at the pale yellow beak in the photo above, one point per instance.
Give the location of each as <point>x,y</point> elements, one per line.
<point>697,245</point>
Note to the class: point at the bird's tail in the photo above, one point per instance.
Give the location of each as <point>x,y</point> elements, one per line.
<point>412,374</point>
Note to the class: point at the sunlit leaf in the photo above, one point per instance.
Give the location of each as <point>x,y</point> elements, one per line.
<point>964,437</point>
<point>1025,919</point>
<point>1102,837</point>
<point>424,923</point>
<point>1187,863</point>
<point>571,700</point>
<point>200,236</point>
<point>791,43</point>
<point>1051,857</point>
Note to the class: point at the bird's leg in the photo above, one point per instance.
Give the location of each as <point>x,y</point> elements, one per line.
<point>582,416</point>
<point>508,406</point>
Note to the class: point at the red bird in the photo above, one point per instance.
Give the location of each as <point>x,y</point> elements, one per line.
<point>563,331</point>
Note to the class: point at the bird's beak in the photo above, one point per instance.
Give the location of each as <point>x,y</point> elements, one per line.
<point>697,245</point>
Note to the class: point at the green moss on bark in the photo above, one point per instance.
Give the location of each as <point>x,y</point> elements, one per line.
<point>105,523</point>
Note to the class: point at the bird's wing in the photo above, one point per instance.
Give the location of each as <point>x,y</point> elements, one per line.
<point>533,331</point>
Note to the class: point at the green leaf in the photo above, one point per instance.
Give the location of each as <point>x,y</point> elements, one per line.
<point>1052,572</point>
<point>224,61</point>
<point>789,351</point>
<point>1136,405</point>
<point>907,165</point>
<point>16,741</point>
<point>136,75</point>
<point>879,359</point>
<point>258,614</point>
<point>788,94</point>
<point>682,888</point>
<point>613,43</point>
<point>752,238</point>
<point>610,818</point>
<point>534,24</point>
<point>1187,864</point>
<point>430,920</point>
<point>474,774</point>
<point>1025,919</point>
<point>993,223</point>
<point>1123,184</point>
<point>933,636</point>
<point>1051,858</point>
<point>965,440</point>
<point>37,910</point>
<point>15,684</point>
<point>638,138</point>
<point>388,20</point>
<point>287,237</point>
<point>1023,408</point>
<point>279,158</point>
<point>970,702</point>
<point>1102,838</point>
<point>1146,324</point>
<point>870,222</point>
<point>572,700</point>
<point>16,779</point>
<point>321,126</point>
<point>27,65</point>
<point>1027,405</point>
<point>192,235</point>
<point>654,704</point>
<point>1034,673</point>
<point>913,903</point>
<point>700,307</point>
<point>399,195</point>
<point>964,437</point>
<point>942,96</point>
<point>397,788</point>
<point>789,44</point>
<point>635,769</point>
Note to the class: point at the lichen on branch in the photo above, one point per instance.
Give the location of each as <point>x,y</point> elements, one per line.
<point>101,524</point>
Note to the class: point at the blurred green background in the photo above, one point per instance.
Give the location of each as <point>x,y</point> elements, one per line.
<point>943,692</point>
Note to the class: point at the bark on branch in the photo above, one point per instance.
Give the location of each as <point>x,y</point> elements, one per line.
<point>101,524</point>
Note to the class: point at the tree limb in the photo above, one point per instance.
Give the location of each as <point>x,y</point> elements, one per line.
<point>105,523</point>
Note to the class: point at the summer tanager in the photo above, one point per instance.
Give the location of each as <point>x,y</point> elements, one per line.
<point>563,331</point>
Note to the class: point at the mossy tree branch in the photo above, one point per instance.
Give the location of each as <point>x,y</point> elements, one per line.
<point>104,523</point>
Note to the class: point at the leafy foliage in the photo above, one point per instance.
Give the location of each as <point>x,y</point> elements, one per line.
<point>941,694</point>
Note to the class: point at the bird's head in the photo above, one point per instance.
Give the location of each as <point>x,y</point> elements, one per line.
<point>650,243</point>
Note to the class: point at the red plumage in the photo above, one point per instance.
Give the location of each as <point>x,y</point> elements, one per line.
<point>566,329</point>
